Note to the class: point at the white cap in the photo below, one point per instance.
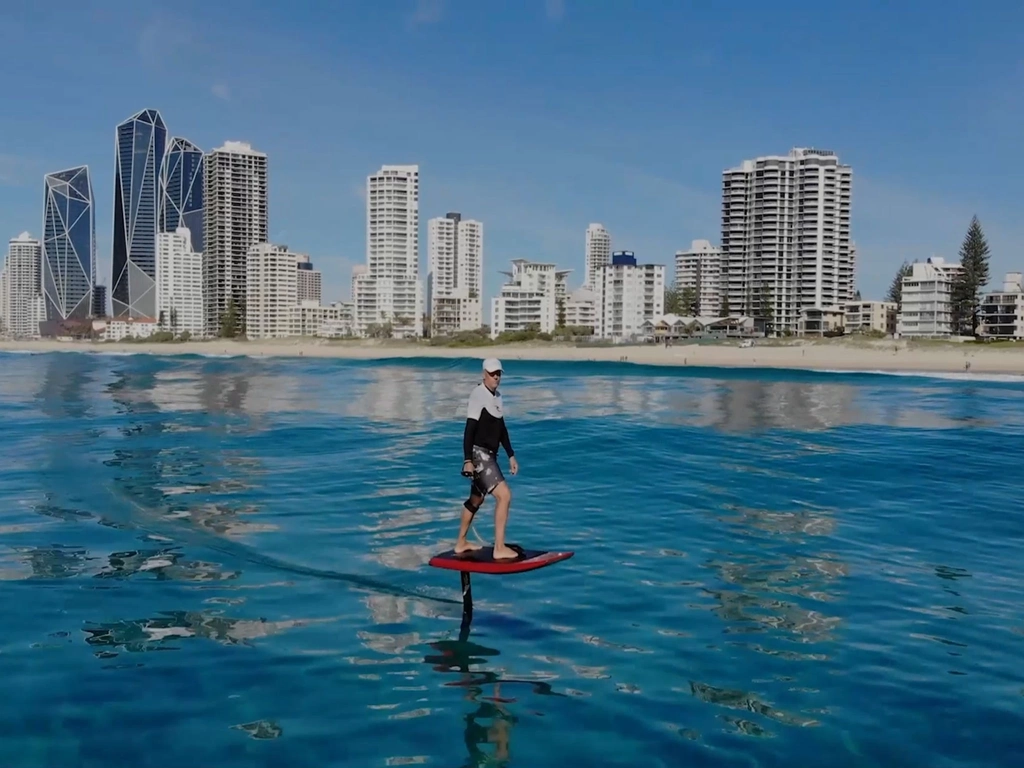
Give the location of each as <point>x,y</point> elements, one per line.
<point>492,364</point>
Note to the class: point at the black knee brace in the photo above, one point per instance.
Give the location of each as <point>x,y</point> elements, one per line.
<point>468,504</point>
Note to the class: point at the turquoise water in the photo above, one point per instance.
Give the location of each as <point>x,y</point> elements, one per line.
<point>223,562</point>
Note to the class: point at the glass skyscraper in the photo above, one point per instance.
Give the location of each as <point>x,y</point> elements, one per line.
<point>181,198</point>
<point>140,148</point>
<point>69,245</point>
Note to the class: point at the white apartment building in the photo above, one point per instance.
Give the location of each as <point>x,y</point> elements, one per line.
<point>310,282</point>
<point>3,298</point>
<point>180,304</point>
<point>598,253</point>
<point>1001,314</point>
<point>124,327</point>
<point>927,307</point>
<point>700,269</point>
<point>388,291</point>
<point>310,318</point>
<point>235,195</point>
<point>455,274</point>
<point>527,299</point>
<point>580,308</point>
<point>24,306</point>
<point>870,317</point>
<point>630,294</point>
<point>272,292</point>
<point>786,231</point>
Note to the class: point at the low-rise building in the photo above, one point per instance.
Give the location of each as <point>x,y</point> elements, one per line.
<point>870,317</point>
<point>927,300</point>
<point>310,318</point>
<point>820,321</point>
<point>527,300</point>
<point>580,309</point>
<point>1001,314</point>
<point>121,328</point>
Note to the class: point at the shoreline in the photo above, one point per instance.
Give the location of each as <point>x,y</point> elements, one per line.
<point>861,356</point>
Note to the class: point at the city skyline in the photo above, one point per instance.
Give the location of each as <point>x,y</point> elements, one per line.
<point>537,177</point>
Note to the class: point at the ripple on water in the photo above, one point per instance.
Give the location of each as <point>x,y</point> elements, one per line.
<point>769,564</point>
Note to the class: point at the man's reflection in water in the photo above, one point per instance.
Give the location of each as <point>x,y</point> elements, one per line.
<point>490,723</point>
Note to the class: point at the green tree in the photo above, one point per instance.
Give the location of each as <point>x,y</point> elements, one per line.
<point>229,325</point>
<point>972,279</point>
<point>673,301</point>
<point>764,306</point>
<point>724,310</point>
<point>560,320</point>
<point>689,302</point>
<point>896,287</point>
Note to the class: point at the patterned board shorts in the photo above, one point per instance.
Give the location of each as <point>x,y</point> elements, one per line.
<point>486,472</point>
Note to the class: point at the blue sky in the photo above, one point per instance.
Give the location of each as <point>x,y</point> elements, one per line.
<point>538,116</point>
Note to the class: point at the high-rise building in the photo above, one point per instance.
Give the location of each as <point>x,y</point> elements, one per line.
<point>630,294</point>
<point>23,305</point>
<point>699,274</point>
<point>4,300</point>
<point>179,268</point>
<point>272,290</point>
<point>69,245</point>
<point>392,254</point>
<point>236,219</point>
<point>598,253</point>
<point>309,281</point>
<point>455,273</point>
<point>786,236</point>
<point>181,190</point>
<point>99,300</point>
<point>139,149</point>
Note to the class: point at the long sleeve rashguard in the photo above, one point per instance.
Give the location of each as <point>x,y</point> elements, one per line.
<point>485,423</point>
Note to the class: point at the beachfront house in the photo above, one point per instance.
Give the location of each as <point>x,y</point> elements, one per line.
<point>674,327</point>
<point>821,321</point>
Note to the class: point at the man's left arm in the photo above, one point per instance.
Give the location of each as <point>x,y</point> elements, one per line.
<point>505,441</point>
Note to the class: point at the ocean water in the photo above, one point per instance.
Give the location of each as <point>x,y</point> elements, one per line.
<point>222,562</point>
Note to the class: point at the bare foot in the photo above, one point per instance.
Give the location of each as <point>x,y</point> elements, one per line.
<point>466,547</point>
<point>504,553</point>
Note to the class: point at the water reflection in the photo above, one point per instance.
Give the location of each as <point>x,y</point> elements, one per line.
<point>165,630</point>
<point>775,581</point>
<point>163,564</point>
<point>412,393</point>
<point>493,697</point>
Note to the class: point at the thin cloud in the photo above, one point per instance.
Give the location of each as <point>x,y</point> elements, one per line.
<point>554,9</point>
<point>162,41</point>
<point>221,91</point>
<point>14,171</point>
<point>427,12</point>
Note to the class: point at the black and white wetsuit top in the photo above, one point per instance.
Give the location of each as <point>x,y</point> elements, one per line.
<point>485,423</point>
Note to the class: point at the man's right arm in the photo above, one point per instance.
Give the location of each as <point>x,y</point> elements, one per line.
<point>472,422</point>
<point>467,439</point>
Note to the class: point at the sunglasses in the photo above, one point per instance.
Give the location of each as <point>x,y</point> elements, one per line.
<point>495,374</point>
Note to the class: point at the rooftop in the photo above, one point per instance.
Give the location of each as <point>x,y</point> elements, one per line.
<point>239,148</point>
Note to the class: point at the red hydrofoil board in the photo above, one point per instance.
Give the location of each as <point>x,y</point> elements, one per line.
<point>482,560</point>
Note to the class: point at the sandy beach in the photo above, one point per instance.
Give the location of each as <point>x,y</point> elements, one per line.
<point>833,354</point>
